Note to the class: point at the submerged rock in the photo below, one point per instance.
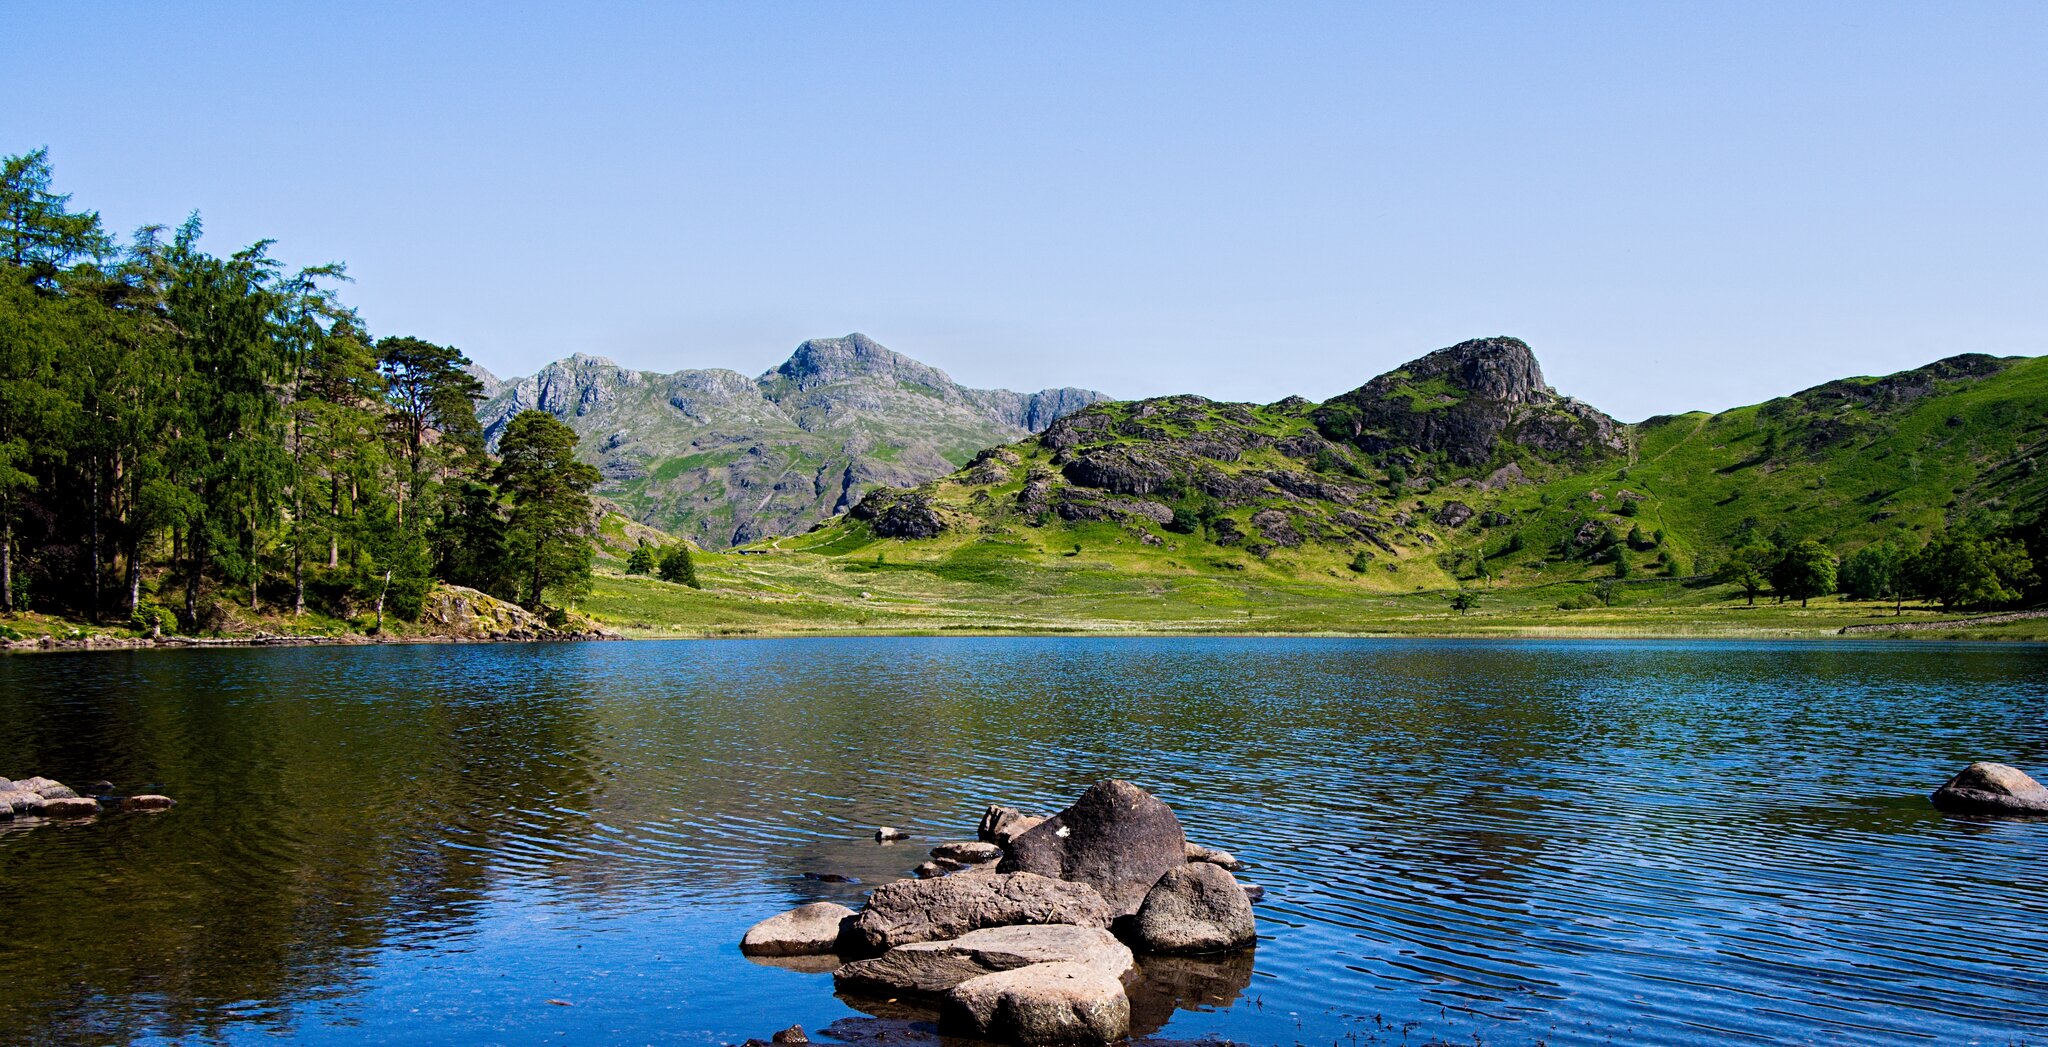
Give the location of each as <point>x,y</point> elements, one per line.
<point>71,807</point>
<point>1043,1005</point>
<point>1116,838</point>
<point>807,930</point>
<point>147,802</point>
<point>889,834</point>
<point>931,910</point>
<point>1195,908</point>
<point>1992,788</point>
<point>931,968</point>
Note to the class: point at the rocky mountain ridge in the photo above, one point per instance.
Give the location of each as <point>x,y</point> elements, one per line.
<point>726,459</point>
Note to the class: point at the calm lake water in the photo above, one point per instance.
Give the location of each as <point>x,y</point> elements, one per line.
<point>1562,843</point>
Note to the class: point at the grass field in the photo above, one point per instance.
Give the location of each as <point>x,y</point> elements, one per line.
<point>969,590</point>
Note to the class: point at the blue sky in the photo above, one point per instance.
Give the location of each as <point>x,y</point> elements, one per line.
<point>1679,206</point>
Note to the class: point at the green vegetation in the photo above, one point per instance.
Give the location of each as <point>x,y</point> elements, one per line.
<point>208,443</point>
<point>679,567</point>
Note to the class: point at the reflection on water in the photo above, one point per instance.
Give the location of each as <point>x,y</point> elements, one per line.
<point>1573,843</point>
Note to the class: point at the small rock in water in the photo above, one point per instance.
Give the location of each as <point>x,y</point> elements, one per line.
<point>71,807</point>
<point>1199,853</point>
<point>1992,788</point>
<point>930,968</point>
<point>1043,1005</point>
<point>147,802</point>
<point>890,834</point>
<point>46,788</point>
<point>1194,909</point>
<point>1000,824</point>
<point>793,1034</point>
<point>23,802</point>
<point>830,878</point>
<point>807,930</point>
<point>968,852</point>
<point>1252,891</point>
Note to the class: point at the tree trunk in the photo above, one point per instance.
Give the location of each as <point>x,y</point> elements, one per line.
<point>95,514</point>
<point>6,556</point>
<point>194,566</point>
<point>134,573</point>
<point>534,605</point>
<point>380,600</point>
<point>298,581</point>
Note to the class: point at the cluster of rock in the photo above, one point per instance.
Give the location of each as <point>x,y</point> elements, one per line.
<point>46,798</point>
<point>1992,788</point>
<point>1032,933</point>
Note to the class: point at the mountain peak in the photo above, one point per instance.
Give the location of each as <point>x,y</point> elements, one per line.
<point>1500,368</point>
<point>820,361</point>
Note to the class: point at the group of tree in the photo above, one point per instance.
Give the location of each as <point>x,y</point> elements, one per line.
<point>182,430</point>
<point>1955,567</point>
<point>674,564</point>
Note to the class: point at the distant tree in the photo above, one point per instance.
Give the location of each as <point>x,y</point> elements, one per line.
<point>1749,568</point>
<point>1876,572</point>
<point>678,566</point>
<point>1629,507</point>
<point>1637,540</point>
<point>1621,567</point>
<point>1464,600</point>
<point>641,561</point>
<point>1962,570</point>
<point>1806,570</point>
<point>549,543</point>
<point>1604,591</point>
<point>1361,561</point>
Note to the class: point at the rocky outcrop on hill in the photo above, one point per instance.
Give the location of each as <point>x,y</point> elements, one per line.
<point>1467,402</point>
<point>724,459</point>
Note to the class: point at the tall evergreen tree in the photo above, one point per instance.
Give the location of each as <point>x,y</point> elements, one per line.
<point>549,543</point>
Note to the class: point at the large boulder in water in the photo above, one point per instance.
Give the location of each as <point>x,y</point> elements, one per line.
<point>1043,1005</point>
<point>1992,788</point>
<point>1117,838</point>
<point>932,910</point>
<point>807,930</point>
<point>1196,908</point>
<point>46,788</point>
<point>931,968</point>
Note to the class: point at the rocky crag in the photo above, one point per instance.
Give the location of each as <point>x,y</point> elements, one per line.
<point>725,459</point>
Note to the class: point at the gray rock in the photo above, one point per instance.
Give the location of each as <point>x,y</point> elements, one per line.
<point>46,788</point>
<point>1043,1005</point>
<point>793,1034</point>
<point>1195,908</point>
<point>931,910</point>
<point>931,968</point>
<point>23,802</point>
<point>1992,788</point>
<point>889,833</point>
<point>1252,891</point>
<point>147,802</point>
<point>1116,838</point>
<point>1199,853</point>
<point>71,807</point>
<point>807,930</point>
<point>936,868</point>
<point>968,853</point>
<point>1000,825</point>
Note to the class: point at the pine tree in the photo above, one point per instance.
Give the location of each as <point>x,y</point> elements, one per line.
<point>549,543</point>
<point>680,567</point>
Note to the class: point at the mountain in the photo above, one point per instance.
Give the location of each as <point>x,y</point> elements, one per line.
<point>1464,465</point>
<point>726,459</point>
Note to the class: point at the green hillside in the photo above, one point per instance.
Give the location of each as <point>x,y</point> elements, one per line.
<point>1182,487</point>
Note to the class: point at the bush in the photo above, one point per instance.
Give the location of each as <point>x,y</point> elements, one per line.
<point>1362,561</point>
<point>153,618</point>
<point>1581,602</point>
<point>641,561</point>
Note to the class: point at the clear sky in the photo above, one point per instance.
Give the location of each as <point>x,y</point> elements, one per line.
<point>1679,205</point>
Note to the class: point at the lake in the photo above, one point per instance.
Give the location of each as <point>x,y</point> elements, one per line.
<point>1464,841</point>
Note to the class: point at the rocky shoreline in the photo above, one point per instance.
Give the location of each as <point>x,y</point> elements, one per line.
<point>1082,927</point>
<point>173,643</point>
